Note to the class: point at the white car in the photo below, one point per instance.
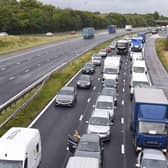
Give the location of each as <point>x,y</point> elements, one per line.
<point>151,158</point>
<point>100,124</point>
<point>136,56</point>
<point>106,105</point>
<point>102,53</point>
<point>139,66</point>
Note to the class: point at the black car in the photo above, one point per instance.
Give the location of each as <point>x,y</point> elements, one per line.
<point>66,96</point>
<point>84,81</point>
<point>110,92</point>
<point>88,68</point>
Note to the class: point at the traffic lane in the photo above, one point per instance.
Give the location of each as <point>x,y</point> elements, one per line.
<point>22,82</point>
<point>130,154</point>
<point>157,72</point>
<point>55,125</point>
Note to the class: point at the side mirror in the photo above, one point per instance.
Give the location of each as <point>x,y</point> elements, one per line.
<point>137,165</point>
<point>131,71</point>
<point>146,72</point>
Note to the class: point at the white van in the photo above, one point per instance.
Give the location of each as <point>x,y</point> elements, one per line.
<point>136,56</point>
<point>128,27</point>
<point>82,162</point>
<point>139,66</point>
<point>138,80</point>
<point>20,148</point>
<point>111,67</point>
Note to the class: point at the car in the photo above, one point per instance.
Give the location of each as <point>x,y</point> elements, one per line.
<point>66,96</point>
<point>89,68</point>
<point>110,83</point>
<point>151,158</point>
<point>154,31</point>
<point>96,59</point>
<point>84,81</point>
<point>106,105</point>
<point>102,53</point>
<point>108,49</point>
<point>136,56</point>
<point>90,145</point>
<point>100,124</point>
<point>106,91</point>
<point>49,34</point>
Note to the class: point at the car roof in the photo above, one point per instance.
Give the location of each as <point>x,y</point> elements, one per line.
<point>139,63</point>
<point>85,75</point>
<point>90,138</point>
<point>100,113</point>
<point>140,77</point>
<point>107,88</point>
<point>105,98</point>
<point>153,154</point>
<point>122,41</point>
<point>71,88</point>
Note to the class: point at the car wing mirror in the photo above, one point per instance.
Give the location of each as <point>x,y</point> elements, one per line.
<point>137,165</point>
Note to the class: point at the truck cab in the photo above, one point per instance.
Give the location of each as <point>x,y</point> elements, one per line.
<point>122,47</point>
<point>137,44</point>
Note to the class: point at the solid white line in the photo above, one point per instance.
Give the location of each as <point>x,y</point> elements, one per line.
<point>81,117</point>
<point>89,99</point>
<point>122,102</point>
<point>122,120</point>
<point>49,104</point>
<point>122,149</point>
<point>94,88</point>
<point>12,77</point>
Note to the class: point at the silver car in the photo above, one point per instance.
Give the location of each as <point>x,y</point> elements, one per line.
<point>100,124</point>
<point>96,59</point>
<point>151,158</point>
<point>91,146</point>
<point>66,96</point>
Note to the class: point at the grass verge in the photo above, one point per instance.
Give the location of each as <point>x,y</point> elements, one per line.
<point>162,51</point>
<point>10,44</point>
<point>50,88</point>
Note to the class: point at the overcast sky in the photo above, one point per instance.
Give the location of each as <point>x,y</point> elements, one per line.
<point>120,6</point>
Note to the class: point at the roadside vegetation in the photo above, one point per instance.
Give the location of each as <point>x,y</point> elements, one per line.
<point>14,43</point>
<point>162,51</point>
<point>49,90</point>
<point>34,17</point>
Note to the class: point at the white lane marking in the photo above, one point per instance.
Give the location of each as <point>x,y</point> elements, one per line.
<point>125,67</point>
<point>3,68</point>
<point>122,102</point>
<point>124,80</point>
<point>27,70</point>
<point>12,77</point>
<point>81,117</point>
<point>126,63</point>
<point>123,90</point>
<point>52,101</point>
<point>122,149</point>
<point>18,63</point>
<point>122,120</point>
<point>94,88</point>
<point>89,99</point>
<point>124,73</point>
<point>98,79</point>
<point>38,64</point>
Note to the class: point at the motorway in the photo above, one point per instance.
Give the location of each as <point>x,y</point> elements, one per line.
<point>19,70</point>
<point>57,122</point>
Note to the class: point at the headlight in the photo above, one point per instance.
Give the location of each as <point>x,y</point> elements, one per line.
<point>88,83</point>
<point>78,83</point>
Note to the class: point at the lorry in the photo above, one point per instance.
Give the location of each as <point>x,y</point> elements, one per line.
<point>122,47</point>
<point>136,44</point>
<point>20,148</point>
<point>112,29</point>
<point>149,121</point>
<point>128,27</point>
<point>88,32</point>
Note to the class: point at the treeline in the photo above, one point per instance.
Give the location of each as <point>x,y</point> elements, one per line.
<point>32,16</point>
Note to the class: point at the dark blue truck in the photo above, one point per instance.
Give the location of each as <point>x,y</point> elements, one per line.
<point>112,29</point>
<point>149,122</point>
<point>143,35</point>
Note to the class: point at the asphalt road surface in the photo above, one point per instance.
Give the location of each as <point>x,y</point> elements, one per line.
<point>57,122</point>
<point>20,69</point>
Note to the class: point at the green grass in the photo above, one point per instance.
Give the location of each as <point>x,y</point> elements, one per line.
<point>10,44</point>
<point>50,88</point>
<point>162,51</point>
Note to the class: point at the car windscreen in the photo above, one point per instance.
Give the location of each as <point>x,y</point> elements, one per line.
<point>84,78</point>
<point>96,58</point>
<point>109,82</point>
<point>109,92</point>
<point>152,163</point>
<point>122,45</point>
<point>88,66</point>
<point>99,121</point>
<point>11,164</point>
<point>138,69</point>
<point>88,146</point>
<point>65,92</point>
<point>140,83</point>
<point>110,71</point>
<point>104,105</point>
